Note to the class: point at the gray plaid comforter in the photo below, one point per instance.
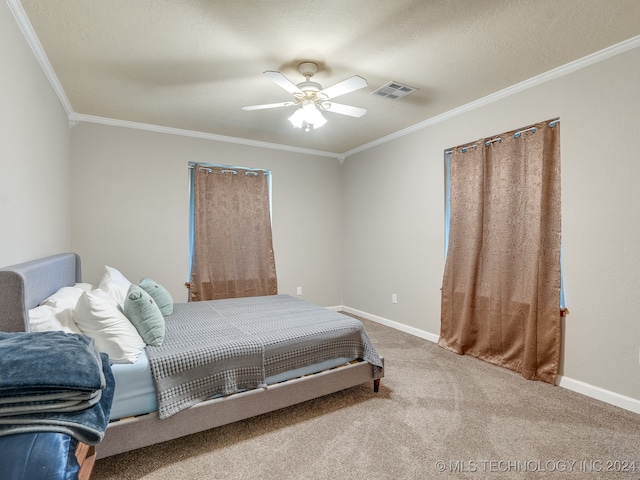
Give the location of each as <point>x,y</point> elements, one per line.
<point>221,347</point>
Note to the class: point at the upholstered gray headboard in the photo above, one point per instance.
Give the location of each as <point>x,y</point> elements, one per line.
<point>25,285</point>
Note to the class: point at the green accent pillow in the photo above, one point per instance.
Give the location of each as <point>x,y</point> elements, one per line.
<point>159,294</point>
<point>143,312</point>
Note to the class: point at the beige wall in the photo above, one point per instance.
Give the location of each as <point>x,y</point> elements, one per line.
<point>34,158</point>
<point>130,208</point>
<point>394,216</point>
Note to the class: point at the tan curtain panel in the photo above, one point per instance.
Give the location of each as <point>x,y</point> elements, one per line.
<point>501,285</point>
<point>233,248</point>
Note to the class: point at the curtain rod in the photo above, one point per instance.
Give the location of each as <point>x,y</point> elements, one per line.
<point>552,123</point>
<point>233,172</point>
<point>530,129</point>
<point>228,169</point>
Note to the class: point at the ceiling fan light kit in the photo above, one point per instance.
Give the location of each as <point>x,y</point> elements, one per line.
<point>307,117</point>
<point>311,98</point>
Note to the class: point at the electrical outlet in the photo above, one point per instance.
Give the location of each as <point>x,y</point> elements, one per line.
<point>394,298</point>
<point>299,291</point>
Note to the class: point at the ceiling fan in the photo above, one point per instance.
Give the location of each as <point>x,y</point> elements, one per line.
<point>312,98</point>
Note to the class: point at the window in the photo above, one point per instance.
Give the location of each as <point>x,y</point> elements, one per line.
<point>230,241</point>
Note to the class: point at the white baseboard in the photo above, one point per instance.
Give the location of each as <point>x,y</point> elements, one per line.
<point>607,396</point>
<point>390,323</point>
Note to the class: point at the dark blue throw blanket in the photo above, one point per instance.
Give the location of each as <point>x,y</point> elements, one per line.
<point>48,366</point>
<point>54,382</point>
<point>87,426</point>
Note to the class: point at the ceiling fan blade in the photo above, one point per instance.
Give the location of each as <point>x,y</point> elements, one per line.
<point>269,105</point>
<point>349,85</point>
<point>344,109</point>
<point>282,81</point>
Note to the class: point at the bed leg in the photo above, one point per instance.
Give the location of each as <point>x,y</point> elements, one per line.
<point>376,385</point>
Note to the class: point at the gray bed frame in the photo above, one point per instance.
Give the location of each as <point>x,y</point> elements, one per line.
<point>25,285</point>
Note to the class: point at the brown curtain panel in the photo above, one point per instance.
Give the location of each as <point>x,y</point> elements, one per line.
<point>501,285</point>
<point>233,248</point>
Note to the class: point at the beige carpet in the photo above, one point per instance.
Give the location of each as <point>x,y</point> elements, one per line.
<point>437,415</point>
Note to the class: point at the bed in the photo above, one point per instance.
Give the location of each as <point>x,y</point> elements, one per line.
<point>24,286</point>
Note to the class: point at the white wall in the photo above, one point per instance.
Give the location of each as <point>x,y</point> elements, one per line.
<point>130,208</point>
<point>35,218</point>
<point>394,217</point>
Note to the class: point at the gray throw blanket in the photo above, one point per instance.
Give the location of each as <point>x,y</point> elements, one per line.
<point>221,347</point>
<point>48,372</point>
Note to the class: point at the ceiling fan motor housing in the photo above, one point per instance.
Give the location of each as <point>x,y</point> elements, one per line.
<point>311,86</point>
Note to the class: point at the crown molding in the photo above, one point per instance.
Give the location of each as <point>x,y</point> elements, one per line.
<point>78,117</point>
<point>36,47</point>
<point>519,87</point>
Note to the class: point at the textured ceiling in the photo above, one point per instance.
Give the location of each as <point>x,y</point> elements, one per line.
<point>192,64</point>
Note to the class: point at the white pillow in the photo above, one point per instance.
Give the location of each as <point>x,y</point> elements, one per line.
<point>64,316</point>
<point>87,287</point>
<point>44,319</point>
<point>105,296</point>
<point>66,297</point>
<point>100,319</point>
<point>57,311</point>
<point>115,284</point>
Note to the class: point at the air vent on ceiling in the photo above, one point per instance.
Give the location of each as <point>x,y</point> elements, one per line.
<point>394,90</point>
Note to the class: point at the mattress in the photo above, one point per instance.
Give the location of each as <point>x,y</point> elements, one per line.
<point>135,393</point>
